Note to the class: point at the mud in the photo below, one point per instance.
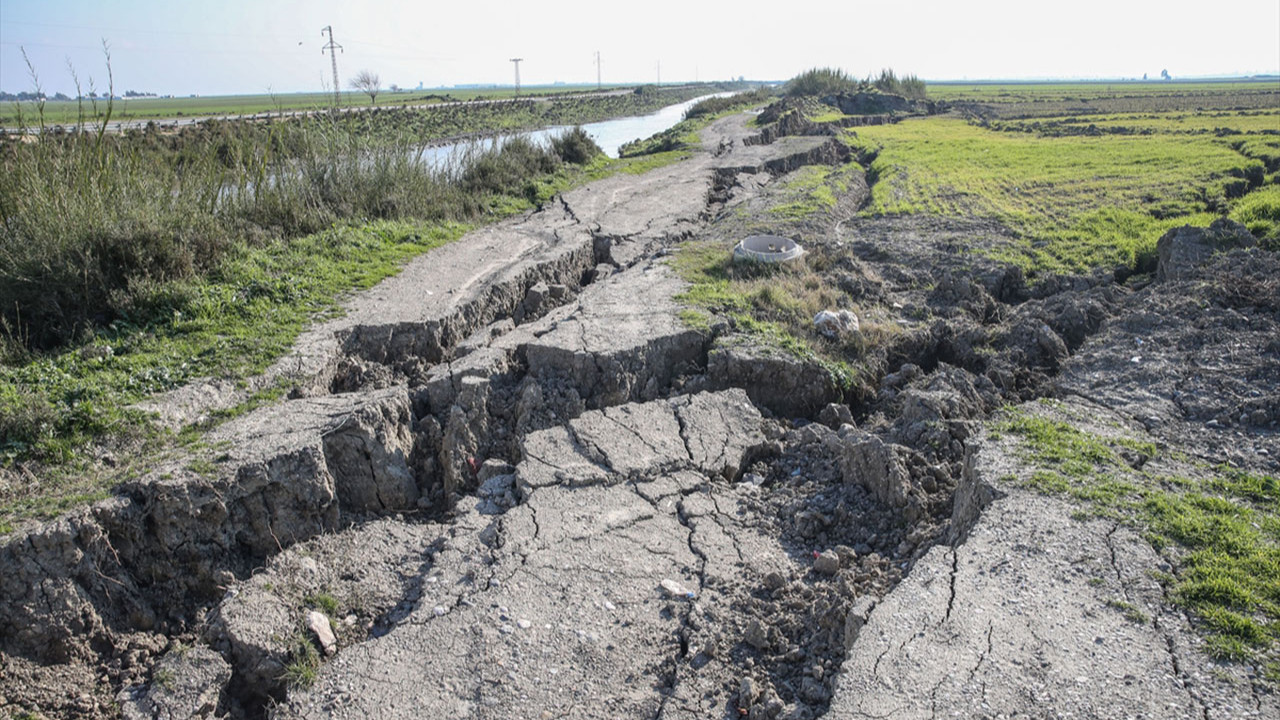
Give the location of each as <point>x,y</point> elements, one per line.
<point>516,484</point>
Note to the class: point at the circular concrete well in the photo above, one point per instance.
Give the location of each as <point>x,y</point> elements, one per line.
<point>767,248</point>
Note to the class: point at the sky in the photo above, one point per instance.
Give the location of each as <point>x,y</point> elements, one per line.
<point>222,47</point>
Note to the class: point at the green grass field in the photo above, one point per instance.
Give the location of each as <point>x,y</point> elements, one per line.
<point>1092,90</point>
<point>68,112</point>
<point>1076,201</point>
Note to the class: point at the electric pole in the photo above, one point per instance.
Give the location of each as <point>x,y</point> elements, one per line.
<point>659,72</point>
<point>598,86</point>
<point>333,48</point>
<point>516,62</point>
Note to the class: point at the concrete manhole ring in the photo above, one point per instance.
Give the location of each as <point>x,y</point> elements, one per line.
<point>767,248</point>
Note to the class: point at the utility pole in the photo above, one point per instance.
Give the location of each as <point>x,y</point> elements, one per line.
<point>598,85</point>
<point>332,47</point>
<point>516,62</point>
<point>659,73</point>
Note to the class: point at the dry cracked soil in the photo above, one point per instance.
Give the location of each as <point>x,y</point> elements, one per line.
<point>513,483</point>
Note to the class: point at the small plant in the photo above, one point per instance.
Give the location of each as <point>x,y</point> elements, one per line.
<point>203,467</point>
<point>1130,611</point>
<point>304,662</point>
<point>324,602</point>
<point>165,678</point>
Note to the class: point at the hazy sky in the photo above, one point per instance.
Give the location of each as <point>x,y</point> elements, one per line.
<point>252,46</point>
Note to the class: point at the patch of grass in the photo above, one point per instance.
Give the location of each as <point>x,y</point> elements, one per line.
<point>717,105</point>
<point>811,190</point>
<point>1221,534</point>
<point>1260,212</point>
<point>776,304</point>
<point>696,319</point>
<point>165,678</point>
<point>324,602</point>
<point>304,662</point>
<point>202,466</point>
<point>1074,202</point>
<point>1130,611</point>
<point>1065,450</point>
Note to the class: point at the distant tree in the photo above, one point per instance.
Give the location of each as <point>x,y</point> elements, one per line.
<point>367,82</point>
<point>393,88</point>
<point>1165,74</point>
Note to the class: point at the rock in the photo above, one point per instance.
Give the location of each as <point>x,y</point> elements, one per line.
<point>492,468</point>
<point>1183,250</point>
<point>748,692</point>
<point>813,691</point>
<point>675,590</point>
<point>827,562</point>
<point>318,624</point>
<point>756,635</point>
<point>856,618</point>
<point>881,468</point>
<point>834,415</point>
<point>836,324</point>
<point>784,384</point>
<point>186,683</point>
<point>368,455</point>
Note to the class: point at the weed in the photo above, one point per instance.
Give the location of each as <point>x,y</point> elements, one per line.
<point>1130,611</point>
<point>165,678</point>
<point>304,662</point>
<point>323,602</point>
<point>907,86</point>
<point>202,466</point>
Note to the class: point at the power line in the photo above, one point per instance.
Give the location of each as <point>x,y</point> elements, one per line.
<point>337,88</point>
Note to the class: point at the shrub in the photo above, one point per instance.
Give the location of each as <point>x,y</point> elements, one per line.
<point>821,82</point>
<point>575,146</point>
<point>908,86</point>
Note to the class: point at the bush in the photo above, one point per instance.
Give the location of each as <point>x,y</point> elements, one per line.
<point>908,86</point>
<point>504,168</point>
<point>575,146</point>
<point>821,82</point>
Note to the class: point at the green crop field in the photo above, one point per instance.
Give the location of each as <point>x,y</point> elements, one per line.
<point>1075,200</point>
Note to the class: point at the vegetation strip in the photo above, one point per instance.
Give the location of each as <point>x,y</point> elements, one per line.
<point>1221,534</point>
